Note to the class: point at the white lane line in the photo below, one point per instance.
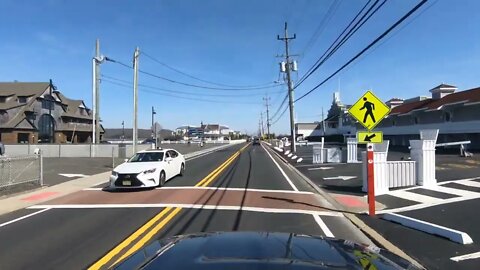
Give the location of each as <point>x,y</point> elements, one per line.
<point>323,226</point>
<point>195,206</point>
<point>469,183</point>
<point>281,170</point>
<point>456,191</point>
<point>24,217</point>
<point>224,189</point>
<point>319,168</point>
<point>425,205</point>
<point>457,180</point>
<point>414,197</point>
<point>102,182</point>
<point>470,256</point>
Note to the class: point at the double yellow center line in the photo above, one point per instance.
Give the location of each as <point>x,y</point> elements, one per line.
<point>157,223</point>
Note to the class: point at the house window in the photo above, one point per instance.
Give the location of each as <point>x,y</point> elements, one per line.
<point>447,117</point>
<point>82,111</point>
<point>47,102</point>
<point>393,123</point>
<point>22,137</point>
<point>3,99</point>
<point>22,99</point>
<point>415,120</point>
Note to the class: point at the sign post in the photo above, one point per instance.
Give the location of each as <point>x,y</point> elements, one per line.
<point>369,111</point>
<point>370,179</point>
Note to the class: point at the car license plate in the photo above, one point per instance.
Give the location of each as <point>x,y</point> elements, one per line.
<point>127,183</point>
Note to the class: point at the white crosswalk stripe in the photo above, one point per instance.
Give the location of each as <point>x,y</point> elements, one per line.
<point>425,201</point>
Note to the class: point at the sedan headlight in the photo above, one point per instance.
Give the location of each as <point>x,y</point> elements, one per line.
<point>150,171</point>
<point>114,174</point>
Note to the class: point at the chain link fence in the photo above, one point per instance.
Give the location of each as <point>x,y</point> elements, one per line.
<point>21,170</point>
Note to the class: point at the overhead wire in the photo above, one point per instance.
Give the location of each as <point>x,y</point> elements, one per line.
<point>178,97</point>
<point>189,84</point>
<point>352,31</point>
<point>199,79</point>
<point>403,18</point>
<point>339,38</point>
<point>185,92</point>
<point>321,27</point>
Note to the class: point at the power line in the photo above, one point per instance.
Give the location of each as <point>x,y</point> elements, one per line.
<point>280,107</point>
<point>321,26</point>
<point>185,92</point>
<point>352,31</point>
<point>202,80</point>
<point>189,84</point>
<point>180,97</point>
<point>366,48</point>
<point>333,45</point>
<point>280,117</point>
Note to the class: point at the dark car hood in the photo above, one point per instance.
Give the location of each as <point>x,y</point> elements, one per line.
<point>260,250</point>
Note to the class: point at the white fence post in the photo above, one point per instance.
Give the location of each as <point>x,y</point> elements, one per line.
<point>380,168</point>
<point>423,152</point>
<point>352,150</point>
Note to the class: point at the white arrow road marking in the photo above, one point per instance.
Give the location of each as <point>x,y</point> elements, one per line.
<point>320,168</point>
<point>71,175</point>
<point>341,177</point>
<point>475,255</point>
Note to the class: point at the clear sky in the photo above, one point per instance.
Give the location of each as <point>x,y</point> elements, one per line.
<point>234,42</point>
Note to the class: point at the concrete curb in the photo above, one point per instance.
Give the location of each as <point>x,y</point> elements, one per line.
<point>451,234</point>
<point>354,219</point>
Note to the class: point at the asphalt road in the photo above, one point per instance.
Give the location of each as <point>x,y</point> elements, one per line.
<point>456,197</point>
<point>239,191</point>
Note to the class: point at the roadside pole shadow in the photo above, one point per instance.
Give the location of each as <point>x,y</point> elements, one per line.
<point>308,204</point>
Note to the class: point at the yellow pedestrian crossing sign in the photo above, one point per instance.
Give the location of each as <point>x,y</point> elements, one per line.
<point>369,110</point>
<point>369,137</point>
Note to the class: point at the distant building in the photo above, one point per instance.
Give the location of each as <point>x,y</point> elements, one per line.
<point>39,113</point>
<point>455,114</point>
<point>206,131</point>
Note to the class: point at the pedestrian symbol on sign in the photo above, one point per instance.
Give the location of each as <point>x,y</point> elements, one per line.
<point>370,107</point>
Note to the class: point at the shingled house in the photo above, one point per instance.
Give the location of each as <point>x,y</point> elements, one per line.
<point>36,112</point>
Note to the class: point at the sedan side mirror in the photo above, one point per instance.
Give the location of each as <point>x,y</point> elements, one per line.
<point>125,160</point>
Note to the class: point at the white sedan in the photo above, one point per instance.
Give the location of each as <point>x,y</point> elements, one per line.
<point>148,168</point>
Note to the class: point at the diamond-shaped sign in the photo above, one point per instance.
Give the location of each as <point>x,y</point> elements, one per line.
<point>369,110</point>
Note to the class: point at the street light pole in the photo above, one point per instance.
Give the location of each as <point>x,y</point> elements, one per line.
<point>154,127</point>
<point>123,131</point>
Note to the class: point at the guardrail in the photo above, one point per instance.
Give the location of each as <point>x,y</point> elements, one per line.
<point>20,170</point>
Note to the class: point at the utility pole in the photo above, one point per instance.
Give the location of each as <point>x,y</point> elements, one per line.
<point>267,99</point>
<point>261,124</point>
<point>323,123</point>
<point>97,92</point>
<point>96,61</point>
<point>135,98</point>
<point>288,67</point>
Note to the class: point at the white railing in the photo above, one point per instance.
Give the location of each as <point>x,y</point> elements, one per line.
<point>401,173</point>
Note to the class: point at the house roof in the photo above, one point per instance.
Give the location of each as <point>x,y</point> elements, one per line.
<point>467,96</point>
<point>35,90</point>
<point>23,88</point>
<point>444,85</point>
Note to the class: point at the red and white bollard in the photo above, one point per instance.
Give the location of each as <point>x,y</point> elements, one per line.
<point>370,180</point>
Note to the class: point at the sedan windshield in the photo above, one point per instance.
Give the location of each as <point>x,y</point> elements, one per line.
<point>147,157</point>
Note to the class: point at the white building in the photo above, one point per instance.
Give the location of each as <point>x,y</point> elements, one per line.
<point>455,114</point>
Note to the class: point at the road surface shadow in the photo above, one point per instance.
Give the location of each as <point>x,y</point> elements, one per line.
<point>308,204</point>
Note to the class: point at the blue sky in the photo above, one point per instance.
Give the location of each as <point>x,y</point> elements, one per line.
<point>234,42</point>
